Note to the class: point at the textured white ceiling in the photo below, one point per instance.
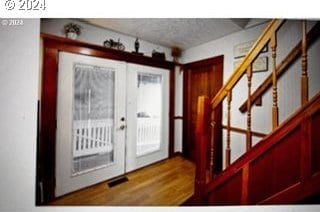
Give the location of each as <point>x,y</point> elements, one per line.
<point>180,32</point>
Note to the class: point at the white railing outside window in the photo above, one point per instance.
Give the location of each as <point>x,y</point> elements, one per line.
<point>148,135</point>
<point>92,137</point>
<point>96,136</point>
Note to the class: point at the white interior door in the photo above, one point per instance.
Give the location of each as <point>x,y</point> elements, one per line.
<point>90,144</point>
<point>147,114</point>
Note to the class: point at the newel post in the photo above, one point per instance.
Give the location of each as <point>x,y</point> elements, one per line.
<point>202,126</point>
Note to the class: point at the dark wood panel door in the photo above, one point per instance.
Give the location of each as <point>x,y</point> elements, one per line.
<point>203,77</point>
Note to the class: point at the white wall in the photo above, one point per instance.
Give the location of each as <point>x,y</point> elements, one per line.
<point>288,85</point>
<point>97,35</point>
<point>19,70</point>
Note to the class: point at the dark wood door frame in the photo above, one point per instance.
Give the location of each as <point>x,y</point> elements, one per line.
<point>48,103</point>
<point>218,111</point>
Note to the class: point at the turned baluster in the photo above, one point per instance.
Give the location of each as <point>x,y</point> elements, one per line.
<point>249,133</point>
<point>212,142</point>
<point>304,64</point>
<point>275,110</point>
<point>228,150</point>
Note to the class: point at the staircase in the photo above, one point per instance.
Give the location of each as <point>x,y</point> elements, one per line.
<point>284,166</point>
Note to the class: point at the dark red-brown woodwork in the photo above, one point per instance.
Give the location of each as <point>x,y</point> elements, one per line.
<point>228,193</point>
<point>48,122</point>
<point>315,143</point>
<point>202,134</point>
<point>78,47</point>
<point>282,168</point>
<point>203,77</point>
<point>171,111</point>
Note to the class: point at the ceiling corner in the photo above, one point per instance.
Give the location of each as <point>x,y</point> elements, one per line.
<point>241,22</point>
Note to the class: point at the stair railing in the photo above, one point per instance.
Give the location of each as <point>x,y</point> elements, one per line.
<point>295,52</point>
<point>205,174</point>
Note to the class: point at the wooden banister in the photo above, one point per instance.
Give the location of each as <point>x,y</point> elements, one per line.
<point>244,131</point>
<point>312,36</point>
<point>261,42</point>
<point>228,150</point>
<point>304,65</point>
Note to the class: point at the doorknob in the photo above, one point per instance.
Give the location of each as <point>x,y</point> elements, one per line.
<point>122,127</point>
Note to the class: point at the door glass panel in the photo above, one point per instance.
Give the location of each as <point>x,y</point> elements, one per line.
<point>149,113</point>
<point>93,117</point>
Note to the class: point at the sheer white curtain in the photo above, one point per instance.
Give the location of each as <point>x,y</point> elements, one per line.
<point>149,106</point>
<point>93,117</point>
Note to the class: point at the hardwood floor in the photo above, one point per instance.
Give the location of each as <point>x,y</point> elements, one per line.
<point>166,183</point>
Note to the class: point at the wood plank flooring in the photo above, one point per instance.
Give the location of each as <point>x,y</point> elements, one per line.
<point>166,183</point>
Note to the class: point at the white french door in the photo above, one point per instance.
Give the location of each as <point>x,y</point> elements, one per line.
<point>90,145</point>
<point>148,106</point>
<point>112,118</point>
